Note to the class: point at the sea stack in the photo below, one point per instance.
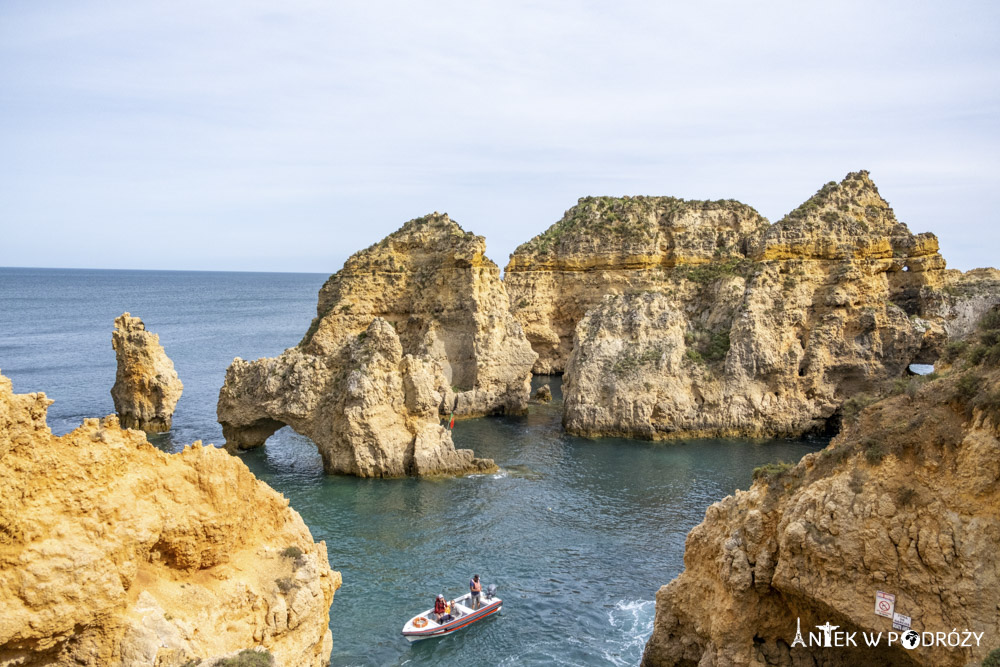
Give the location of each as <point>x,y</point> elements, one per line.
<point>904,502</point>
<point>414,328</point>
<point>115,553</point>
<point>146,387</point>
<point>676,318</point>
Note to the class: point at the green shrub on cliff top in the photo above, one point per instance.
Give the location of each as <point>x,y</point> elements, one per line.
<point>990,321</point>
<point>291,552</point>
<point>853,406</point>
<point>616,218</point>
<point>248,658</point>
<point>984,349</point>
<point>771,472</point>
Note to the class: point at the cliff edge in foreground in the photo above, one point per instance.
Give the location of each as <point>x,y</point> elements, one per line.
<point>905,501</point>
<point>114,553</point>
<point>146,387</point>
<point>411,329</point>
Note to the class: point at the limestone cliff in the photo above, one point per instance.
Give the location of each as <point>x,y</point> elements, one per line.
<point>906,501</point>
<point>146,387</point>
<point>114,553</point>
<point>607,245</point>
<point>412,328</point>
<point>964,298</point>
<point>700,318</point>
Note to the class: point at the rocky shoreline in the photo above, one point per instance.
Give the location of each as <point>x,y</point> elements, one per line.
<point>114,553</point>
<point>905,500</point>
<point>411,330</point>
<point>669,319</point>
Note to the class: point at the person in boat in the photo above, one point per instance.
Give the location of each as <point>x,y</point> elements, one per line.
<point>476,590</point>
<point>440,608</point>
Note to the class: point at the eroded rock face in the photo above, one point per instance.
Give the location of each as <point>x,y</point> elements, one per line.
<point>964,298</point>
<point>146,387</point>
<point>607,245</point>
<point>412,328</point>
<point>114,553</point>
<point>736,327</point>
<point>906,500</point>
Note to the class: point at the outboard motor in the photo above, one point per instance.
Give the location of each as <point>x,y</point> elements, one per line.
<point>491,590</point>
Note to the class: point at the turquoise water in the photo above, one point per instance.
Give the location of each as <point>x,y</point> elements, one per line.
<point>577,534</point>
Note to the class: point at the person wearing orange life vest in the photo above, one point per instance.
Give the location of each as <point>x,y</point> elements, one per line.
<point>476,589</point>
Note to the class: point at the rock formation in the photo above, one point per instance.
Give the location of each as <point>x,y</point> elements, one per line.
<point>544,394</point>
<point>607,245</point>
<point>700,318</point>
<point>146,387</point>
<point>412,328</point>
<point>964,298</point>
<point>114,553</point>
<point>906,500</point>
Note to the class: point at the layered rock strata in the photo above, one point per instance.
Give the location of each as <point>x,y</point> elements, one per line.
<point>146,388</point>
<point>608,245</point>
<point>114,553</point>
<point>700,318</point>
<point>412,328</point>
<point>905,501</point>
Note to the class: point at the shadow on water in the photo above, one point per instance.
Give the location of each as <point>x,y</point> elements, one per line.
<point>578,534</point>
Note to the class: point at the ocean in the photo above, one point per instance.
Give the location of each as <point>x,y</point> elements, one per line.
<point>577,534</point>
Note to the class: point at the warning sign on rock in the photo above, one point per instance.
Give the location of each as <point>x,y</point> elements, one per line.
<point>900,622</point>
<point>885,604</point>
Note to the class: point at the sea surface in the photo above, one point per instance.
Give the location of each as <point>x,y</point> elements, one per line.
<point>577,534</point>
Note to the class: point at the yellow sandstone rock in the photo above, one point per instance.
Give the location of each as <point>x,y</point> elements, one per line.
<point>115,553</point>
<point>906,501</point>
<point>146,387</point>
<point>410,330</point>
<point>676,318</point>
<point>607,245</point>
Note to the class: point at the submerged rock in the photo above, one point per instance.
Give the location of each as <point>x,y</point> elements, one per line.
<point>411,329</point>
<point>700,318</point>
<point>544,394</point>
<point>906,501</point>
<point>115,553</point>
<point>146,387</point>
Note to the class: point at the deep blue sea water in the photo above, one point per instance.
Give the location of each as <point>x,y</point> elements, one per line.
<point>578,534</point>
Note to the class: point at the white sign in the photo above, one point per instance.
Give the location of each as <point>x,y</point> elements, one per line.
<point>885,604</point>
<point>900,622</point>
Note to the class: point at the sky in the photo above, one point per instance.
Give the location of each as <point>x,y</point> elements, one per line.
<point>284,136</point>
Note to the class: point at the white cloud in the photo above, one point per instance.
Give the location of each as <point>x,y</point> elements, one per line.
<point>313,128</point>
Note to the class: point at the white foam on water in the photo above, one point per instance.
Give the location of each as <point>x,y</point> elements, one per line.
<point>631,624</point>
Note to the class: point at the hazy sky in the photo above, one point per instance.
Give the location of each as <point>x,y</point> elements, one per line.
<point>287,135</point>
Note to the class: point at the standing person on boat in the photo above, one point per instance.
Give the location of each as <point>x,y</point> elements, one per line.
<point>439,608</point>
<point>476,589</point>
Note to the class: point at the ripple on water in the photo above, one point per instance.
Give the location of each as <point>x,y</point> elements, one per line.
<point>578,534</point>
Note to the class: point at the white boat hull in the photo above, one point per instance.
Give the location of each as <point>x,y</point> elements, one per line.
<point>423,626</point>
